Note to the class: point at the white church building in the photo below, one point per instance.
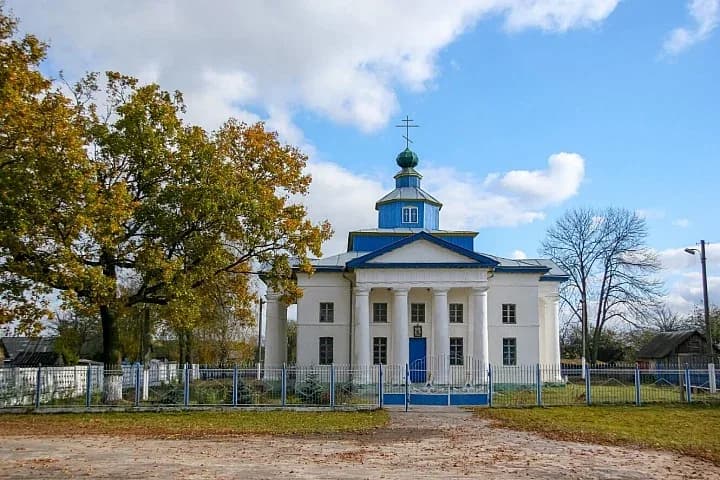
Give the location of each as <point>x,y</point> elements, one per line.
<point>410,293</point>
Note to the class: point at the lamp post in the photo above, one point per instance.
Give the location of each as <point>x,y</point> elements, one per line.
<point>706,305</point>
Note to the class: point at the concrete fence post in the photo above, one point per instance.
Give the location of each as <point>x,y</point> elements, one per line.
<point>538,385</point>
<point>712,379</point>
<point>146,384</point>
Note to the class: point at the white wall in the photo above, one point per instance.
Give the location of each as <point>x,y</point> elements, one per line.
<point>323,287</point>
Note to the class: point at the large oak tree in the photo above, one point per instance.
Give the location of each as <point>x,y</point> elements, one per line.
<point>113,201</point>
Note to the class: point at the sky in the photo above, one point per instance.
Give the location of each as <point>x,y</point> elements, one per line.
<point>526,108</point>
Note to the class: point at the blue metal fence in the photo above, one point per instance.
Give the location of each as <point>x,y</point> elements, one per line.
<point>341,386</point>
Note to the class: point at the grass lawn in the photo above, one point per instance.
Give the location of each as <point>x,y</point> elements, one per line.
<point>190,424</point>
<point>692,430</point>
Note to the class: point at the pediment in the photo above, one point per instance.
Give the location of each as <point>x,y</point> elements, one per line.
<point>421,251</point>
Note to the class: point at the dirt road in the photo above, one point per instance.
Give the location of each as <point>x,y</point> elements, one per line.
<point>421,444</point>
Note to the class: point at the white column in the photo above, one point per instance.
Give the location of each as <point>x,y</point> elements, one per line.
<point>441,335</point>
<point>481,355</point>
<point>400,327</point>
<point>552,327</point>
<point>274,331</point>
<point>361,345</point>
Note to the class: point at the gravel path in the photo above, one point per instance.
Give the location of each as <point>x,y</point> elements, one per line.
<point>427,443</point>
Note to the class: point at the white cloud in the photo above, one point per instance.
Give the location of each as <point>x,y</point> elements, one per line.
<point>341,60</point>
<point>518,255</point>
<point>681,222</point>
<point>650,213</point>
<point>347,199</point>
<point>705,15</point>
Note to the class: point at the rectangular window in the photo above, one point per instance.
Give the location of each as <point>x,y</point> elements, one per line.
<point>379,350</point>
<point>327,312</point>
<point>456,351</point>
<point>409,215</point>
<point>380,312</point>
<point>326,351</point>
<point>508,313</point>
<point>417,312</point>
<point>509,351</point>
<point>456,313</point>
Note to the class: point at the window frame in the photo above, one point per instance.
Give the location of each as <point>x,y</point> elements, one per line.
<point>411,211</point>
<point>380,350</point>
<point>509,314</point>
<point>414,316</point>
<point>326,315</point>
<point>376,312</point>
<point>323,350</point>
<point>509,357</point>
<point>453,318</point>
<point>457,351</point>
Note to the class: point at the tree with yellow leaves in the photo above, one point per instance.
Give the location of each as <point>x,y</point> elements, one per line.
<point>113,201</point>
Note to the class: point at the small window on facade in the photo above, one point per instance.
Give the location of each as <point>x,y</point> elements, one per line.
<point>380,313</point>
<point>456,351</point>
<point>327,312</point>
<point>409,215</point>
<point>379,350</point>
<point>508,313</point>
<point>509,351</point>
<point>417,312</point>
<point>325,356</point>
<point>456,313</point>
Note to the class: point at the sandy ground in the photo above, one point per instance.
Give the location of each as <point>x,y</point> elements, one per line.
<point>427,443</point>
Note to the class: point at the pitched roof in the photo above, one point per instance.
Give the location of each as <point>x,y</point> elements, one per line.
<point>408,193</point>
<point>26,351</point>
<point>664,343</point>
<point>480,260</point>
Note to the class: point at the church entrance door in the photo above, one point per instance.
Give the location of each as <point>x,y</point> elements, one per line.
<point>418,355</point>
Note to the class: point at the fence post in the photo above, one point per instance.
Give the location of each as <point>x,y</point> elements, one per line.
<point>138,385</point>
<point>588,398</point>
<point>538,385</point>
<point>380,386</point>
<point>186,386</point>
<point>235,386</point>
<point>637,386</point>
<point>283,386</point>
<point>688,385</point>
<point>490,386</point>
<point>712,379</point>
<point>88,386</point>
<point>332,386</point>
<point>407,386</point>
<point>146,383</point>
<point>38,387</point>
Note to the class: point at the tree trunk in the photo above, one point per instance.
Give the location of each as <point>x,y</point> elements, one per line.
<point>112,391</point>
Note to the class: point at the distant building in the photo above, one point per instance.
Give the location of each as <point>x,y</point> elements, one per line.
<point>29,352</point>
<point>408,292</point>
<point>674,348</point>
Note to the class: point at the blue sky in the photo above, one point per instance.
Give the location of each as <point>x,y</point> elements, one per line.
<point>527,107</point>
